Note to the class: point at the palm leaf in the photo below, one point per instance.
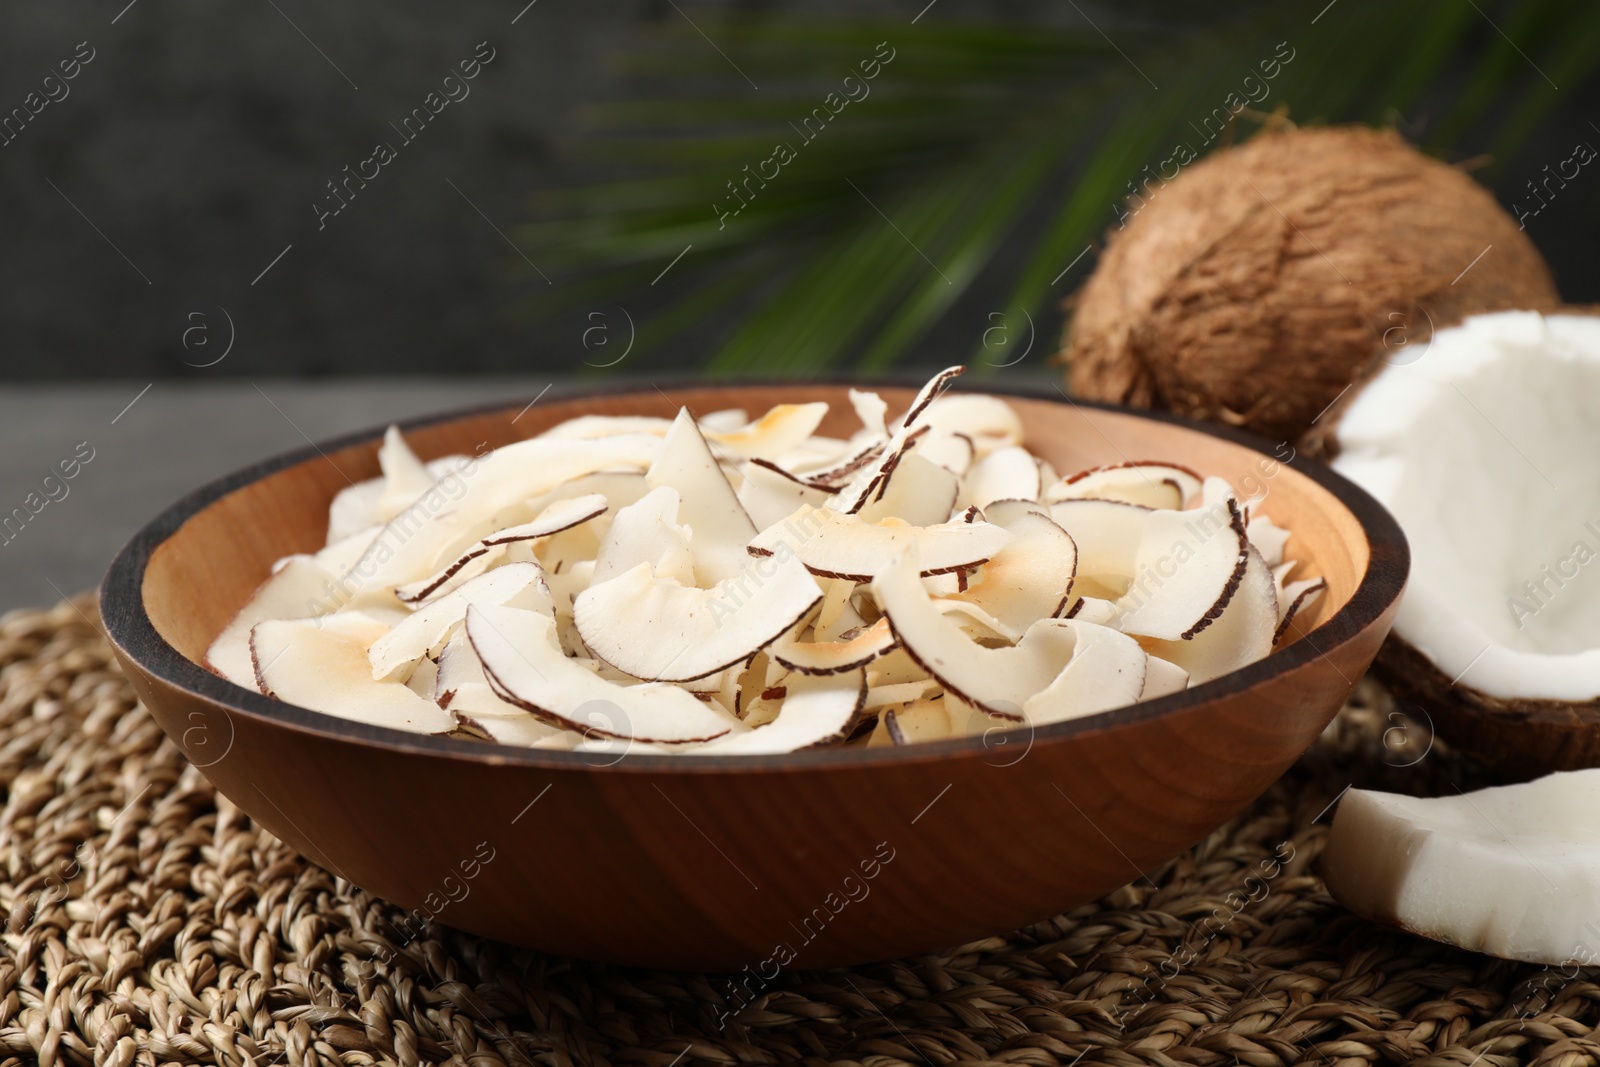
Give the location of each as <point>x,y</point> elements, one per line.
<point>984,158</point>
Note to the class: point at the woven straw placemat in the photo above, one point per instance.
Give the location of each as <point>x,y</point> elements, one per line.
<point>148,920</point>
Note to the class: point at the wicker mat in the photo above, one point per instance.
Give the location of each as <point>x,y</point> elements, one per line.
<point>150,921</point>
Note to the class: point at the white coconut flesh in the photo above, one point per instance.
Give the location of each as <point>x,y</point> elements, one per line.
<point>523,662</point>
<point>1513,871</point>
<point>731,584</point>
<point>834,545</point>
<point>1484,450</point>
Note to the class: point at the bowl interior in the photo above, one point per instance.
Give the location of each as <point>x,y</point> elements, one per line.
<point>200,576</point>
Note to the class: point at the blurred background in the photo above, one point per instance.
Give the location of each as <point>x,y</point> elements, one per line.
<point>231,229</point>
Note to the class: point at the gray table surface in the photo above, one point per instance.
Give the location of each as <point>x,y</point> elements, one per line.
<point>173,438</point>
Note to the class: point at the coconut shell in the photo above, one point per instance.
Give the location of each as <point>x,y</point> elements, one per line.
<point>1522,739</point>
<point>1258,284</point>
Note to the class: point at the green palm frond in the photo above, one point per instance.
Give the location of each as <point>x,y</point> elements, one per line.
<point>979,155</point>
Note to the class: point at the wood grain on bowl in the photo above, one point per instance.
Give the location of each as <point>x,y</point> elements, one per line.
<point>804,859</point>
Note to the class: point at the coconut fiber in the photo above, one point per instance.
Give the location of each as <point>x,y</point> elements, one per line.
<point>148,920</point>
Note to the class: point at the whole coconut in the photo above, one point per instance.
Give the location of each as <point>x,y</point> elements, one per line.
<point>1254,287</point>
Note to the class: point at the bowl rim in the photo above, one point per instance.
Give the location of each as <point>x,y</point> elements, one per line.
<point>129,628</point>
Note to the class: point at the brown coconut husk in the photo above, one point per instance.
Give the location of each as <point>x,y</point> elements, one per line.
<point>1520,739</point>
<point>1257,285</point>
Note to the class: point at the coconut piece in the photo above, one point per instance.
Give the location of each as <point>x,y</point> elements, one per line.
<point>921,720</point>
<point>872,410</point>
<point>987,422</point>
<point>707,503</point>
<point>377,500</point>
<point>1512,871</point>
<point>659,629</point>
<point>834,657</point>
<point>296,588</point>
<point>1030,577</point>
<point>1092,609</point>
<point>1187,568</point>
<point>952,451</point>
<point>1162,678</point>
<point>769,494</point>
<point>1239,635</point>
<point>1293,597</point>
<point>591,427</point>
<point>524,663</point>
<point>917,491</point>
<point>1108,534</point>
<point>409,548</point>
<point>835,545</point>
<point>976,623</point>
<point>425,632</point>
<point>1329,240</point>
<point>998,680</point>
<point>1107,670</point>
<point>815,710</point>
<point>866,481</point>
<point>321,664</point>
<point>1150,483</point>
<point>1484,453</point>
<point>646,532</point>
<point>1007,473</point>
<point>888,696</point>
<point>1270,538</point>
<point>779,431</point>
<point>423,675</point>
<point>559,515</point>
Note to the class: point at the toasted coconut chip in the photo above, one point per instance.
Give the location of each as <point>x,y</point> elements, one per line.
<point>1188,566</point>
<point>834,657</point>
<point>661,630</point>
<point>337,557</point>
<point>1162,678</point>
<point>895,667</point>
<point>425,632</point>
<point>952,451</point>
<point>1241,634</point>
<point>449,520</point>
<point>815,710</point>
<point>921,720</point>
<point>380,499</point>
<point>322,663</point>
<point>725,420</point>
<point>463,689</point>
<point>1030,578</point>
<point>834,545</point>
<point>590,427</point>
<point>838,470</point>
<point>987,421</point>
<point>976,623</point>
<point>770,494</point>
<point>779,431</point>
<point>707,503</point>
<point>1150,483</point>
<point>423,675</point>
<point>620,488</point>
<point>1269,537</point>
<point>524,663</point>
<point>866,481</point>
<point>558,516</point>
<point>1008,473</point>
<point>646,532</point>
<point>872,410</point>
<point>1293,597</point>
<point>1108,534</point>
<point>889,696</point>
<point>1107,670</point>
<point>296,589</point>
<point>835,615</point>
<point>916,491</point>
<point>998,680</point>
<point>1092,609</point>
<point>927,395</point>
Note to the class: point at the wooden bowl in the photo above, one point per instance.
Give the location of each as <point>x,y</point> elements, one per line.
<point>817,858</point>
